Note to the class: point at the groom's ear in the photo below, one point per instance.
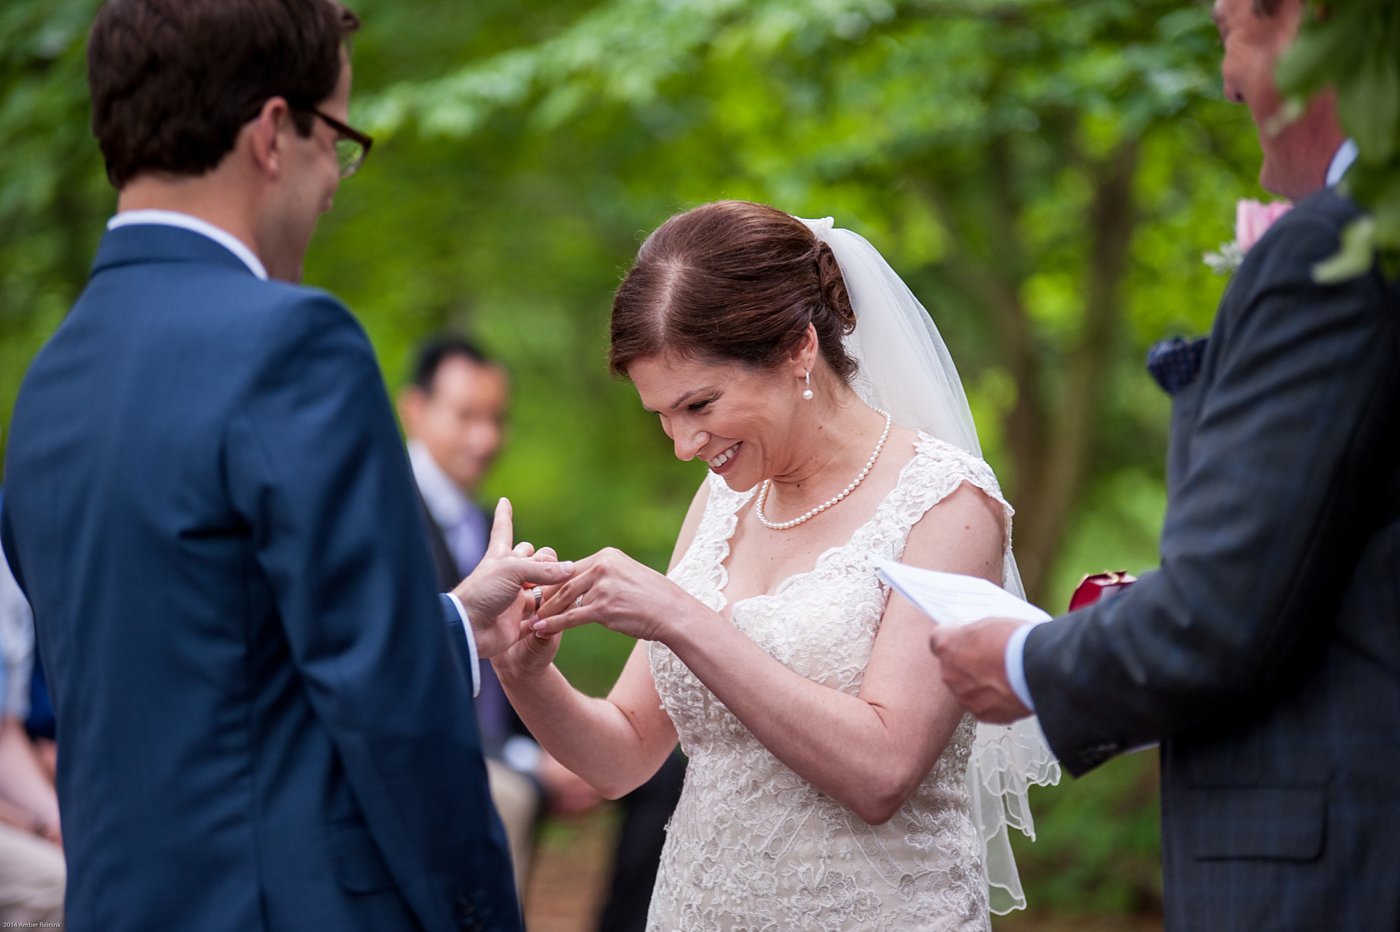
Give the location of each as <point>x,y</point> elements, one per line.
<point>263,139</point>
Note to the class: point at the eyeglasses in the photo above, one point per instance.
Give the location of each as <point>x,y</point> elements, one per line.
<point>351,145</point>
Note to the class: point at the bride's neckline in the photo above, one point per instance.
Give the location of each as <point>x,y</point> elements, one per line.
<point>727,606</point>
<point>836,499</point>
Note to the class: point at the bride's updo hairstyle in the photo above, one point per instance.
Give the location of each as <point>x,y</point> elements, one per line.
<point>731,281</point>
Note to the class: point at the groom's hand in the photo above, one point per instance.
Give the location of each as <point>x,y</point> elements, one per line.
<point>973,660</point>
<point>496,595</point>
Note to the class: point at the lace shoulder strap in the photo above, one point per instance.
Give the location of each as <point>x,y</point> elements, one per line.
<point>934,473</point>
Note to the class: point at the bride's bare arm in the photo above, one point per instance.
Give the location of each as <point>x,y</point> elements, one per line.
<point>869,752</point>
<point>615,744</point>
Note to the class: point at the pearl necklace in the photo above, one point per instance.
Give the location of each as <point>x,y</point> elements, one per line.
<point>809,515</point>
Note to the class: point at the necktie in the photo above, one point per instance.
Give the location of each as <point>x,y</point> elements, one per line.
<point>467,540</point>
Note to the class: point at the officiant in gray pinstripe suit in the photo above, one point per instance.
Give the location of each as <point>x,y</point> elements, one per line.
<point>1264,654</point>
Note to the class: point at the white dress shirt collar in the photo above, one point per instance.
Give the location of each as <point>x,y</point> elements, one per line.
<point>171,218</point>
<point>1343,160</point>
<point>445,501</point>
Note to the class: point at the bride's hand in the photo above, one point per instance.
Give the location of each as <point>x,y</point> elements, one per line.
<point>613,590</point>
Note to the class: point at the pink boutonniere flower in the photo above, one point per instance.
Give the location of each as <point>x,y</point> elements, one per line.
<point>1252,220</point>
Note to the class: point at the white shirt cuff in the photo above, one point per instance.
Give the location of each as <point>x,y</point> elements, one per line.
<point>471,644</point>
<point>1016,665</point>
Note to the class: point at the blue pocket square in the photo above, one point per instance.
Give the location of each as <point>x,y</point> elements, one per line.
<point>1175,363</point>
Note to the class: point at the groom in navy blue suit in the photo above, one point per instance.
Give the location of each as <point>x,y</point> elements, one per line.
<point>212,515</point>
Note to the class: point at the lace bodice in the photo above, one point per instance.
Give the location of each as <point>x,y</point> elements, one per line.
<point>754,846</point>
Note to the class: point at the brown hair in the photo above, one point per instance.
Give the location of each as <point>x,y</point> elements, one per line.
<point>173,81</point>
<point>731,281</point>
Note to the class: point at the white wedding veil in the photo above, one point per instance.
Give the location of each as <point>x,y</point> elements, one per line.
<point>904,368</point>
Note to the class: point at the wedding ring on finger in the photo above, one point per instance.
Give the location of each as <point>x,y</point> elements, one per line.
<point>578,603</point>
<point>537,594</point>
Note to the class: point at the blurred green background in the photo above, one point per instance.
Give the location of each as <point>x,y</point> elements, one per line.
<point>1045,175</point>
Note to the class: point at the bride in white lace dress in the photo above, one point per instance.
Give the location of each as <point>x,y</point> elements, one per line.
<point>827,784</point>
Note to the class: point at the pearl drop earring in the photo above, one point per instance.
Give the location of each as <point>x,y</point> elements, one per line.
<point>807,392</point>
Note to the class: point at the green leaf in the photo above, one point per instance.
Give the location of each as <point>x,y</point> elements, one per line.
<point>1369,105</point>
<point>1311,61</point>
<point>1355,256</point>
<point>1378,190</point>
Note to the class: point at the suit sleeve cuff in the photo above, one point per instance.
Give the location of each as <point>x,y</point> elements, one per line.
<point>1016,665</point>
<point>471,643</point>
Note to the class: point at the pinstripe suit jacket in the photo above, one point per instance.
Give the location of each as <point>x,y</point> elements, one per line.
<point>1264,653</point>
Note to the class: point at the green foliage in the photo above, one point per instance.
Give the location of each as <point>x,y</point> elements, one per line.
<point>967,140</point>
<point>1354,49</point>
<point>53,196</point>
<point>1097,849</point>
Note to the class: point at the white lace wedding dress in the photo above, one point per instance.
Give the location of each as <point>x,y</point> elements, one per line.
<point>752,845</point>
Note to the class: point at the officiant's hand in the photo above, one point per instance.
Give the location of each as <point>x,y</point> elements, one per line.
<point>497,594</point>
<point>973,659</point>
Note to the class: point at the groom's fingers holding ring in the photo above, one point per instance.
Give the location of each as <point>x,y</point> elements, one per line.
<point>559,614</point>
<point>557,601</point>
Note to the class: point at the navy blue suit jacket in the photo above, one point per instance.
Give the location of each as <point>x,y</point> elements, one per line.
<point>1265,652</point>
<point>212,514</point>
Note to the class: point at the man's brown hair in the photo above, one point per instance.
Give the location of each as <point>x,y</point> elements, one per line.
<point>173,81</point>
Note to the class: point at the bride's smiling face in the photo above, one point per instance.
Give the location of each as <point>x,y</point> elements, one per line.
<point>734,417</point>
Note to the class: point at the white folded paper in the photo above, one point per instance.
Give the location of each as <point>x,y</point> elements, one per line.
<point>954,599</point>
